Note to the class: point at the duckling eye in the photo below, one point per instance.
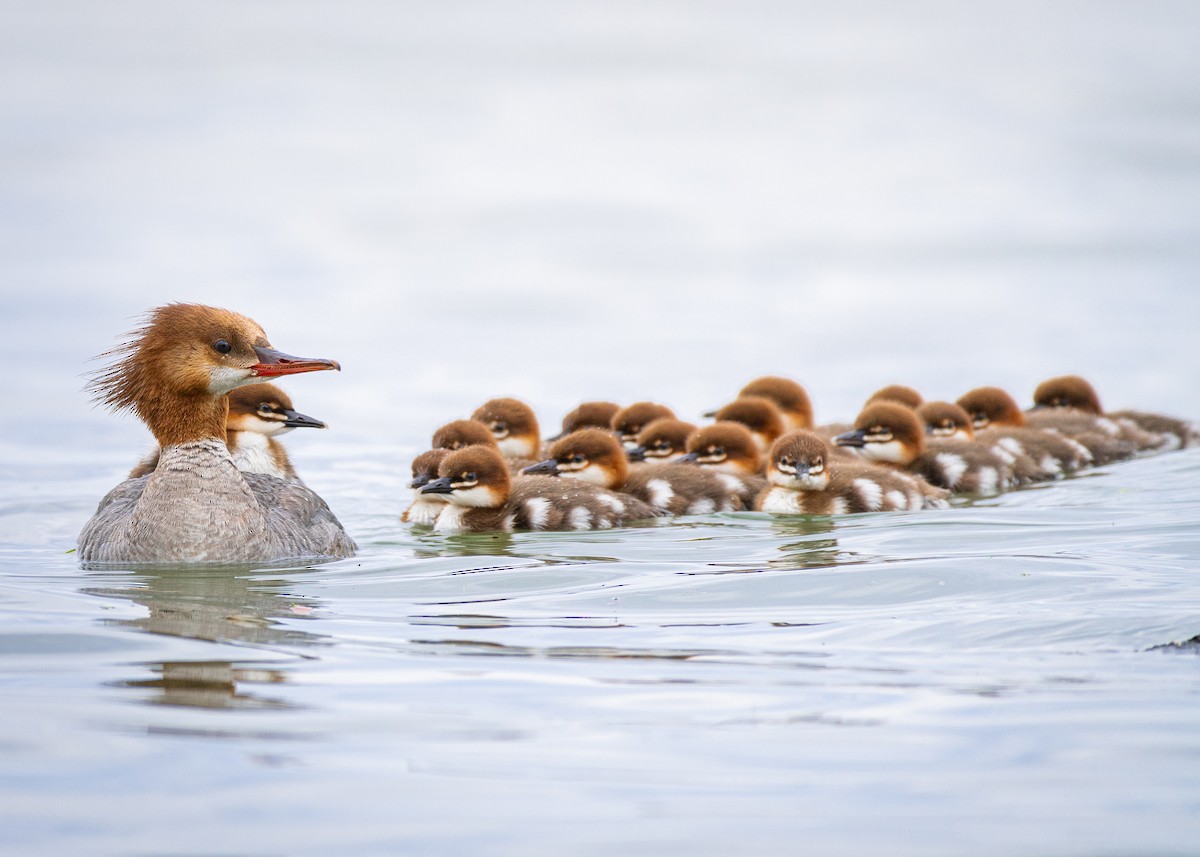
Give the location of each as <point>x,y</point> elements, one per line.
<point>786,461</point>
<point>468,477</point>
<point>577,459</point>
<point>222,346</point>
<point>499,426</point>
<point>264,409</point>
<point>816,462</point>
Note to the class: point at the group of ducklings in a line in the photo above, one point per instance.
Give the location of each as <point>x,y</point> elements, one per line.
<point>220,487</point>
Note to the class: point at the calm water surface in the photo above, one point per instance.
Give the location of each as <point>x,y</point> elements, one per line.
<point>568,201</point>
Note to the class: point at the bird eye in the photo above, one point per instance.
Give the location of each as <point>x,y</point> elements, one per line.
<point>222,346</point>
<point>499,426</point>
<point>469,477</point>
<point>264,409</point>
<point>817,462</point>
<point>577,459</point>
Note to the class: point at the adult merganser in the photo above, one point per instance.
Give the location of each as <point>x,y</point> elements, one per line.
<point>595,456</point>
<point>196,506</point>
<point>258,414</point>
<point>804,481</point>
<point>482,496</point>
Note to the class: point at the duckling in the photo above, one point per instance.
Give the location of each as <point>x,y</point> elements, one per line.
<point>596,414</point>
<point>596,456</point>
<point>663,439</point>
<point>258,414</point>
<point>948,421</point>
<point>425,507</point>
<point>890,433</point>
<point>757,413</point>
<point>805,481</point>
<point>628,422</point>
<point>906,396</point>
<point>1055,398</point>
<point>482,496</point>
<point>458,434</point>
<point>514,425</point>
<point>791,399</point>
<point>998,419</point>
<point>730,451</point>
<point>196,506</point>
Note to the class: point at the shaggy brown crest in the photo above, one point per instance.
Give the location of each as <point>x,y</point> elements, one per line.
<point>175,370</point>
<point>991,406</point>
<point>1067,391</point>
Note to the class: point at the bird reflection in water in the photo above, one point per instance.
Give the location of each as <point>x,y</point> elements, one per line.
<point>810,550</point>
<point>241,605</point>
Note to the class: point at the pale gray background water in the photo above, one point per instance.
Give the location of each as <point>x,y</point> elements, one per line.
<point>564,201</point>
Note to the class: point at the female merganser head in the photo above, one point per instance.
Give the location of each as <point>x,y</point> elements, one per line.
<point>888,432</point>
<point>662,440</point>
<point>196,506</point>
<point>514,426</point>
<point>458,434</point>
<point>176,371</point>
<point>899,393</point>
<point>482,496</point>
<point>1067,391</point>
<point>587,415</point>
<point>727,447</point>
<point>991,406</point>
<point>791,398</point>
<point>628,422</point>
<point>757,413</point>
<point>946,420</point>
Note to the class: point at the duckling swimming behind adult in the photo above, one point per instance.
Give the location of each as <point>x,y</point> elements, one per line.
<point>258,414</point>
<point>175,374</point>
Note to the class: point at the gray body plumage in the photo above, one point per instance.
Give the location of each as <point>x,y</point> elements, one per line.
<point>197,507</point>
